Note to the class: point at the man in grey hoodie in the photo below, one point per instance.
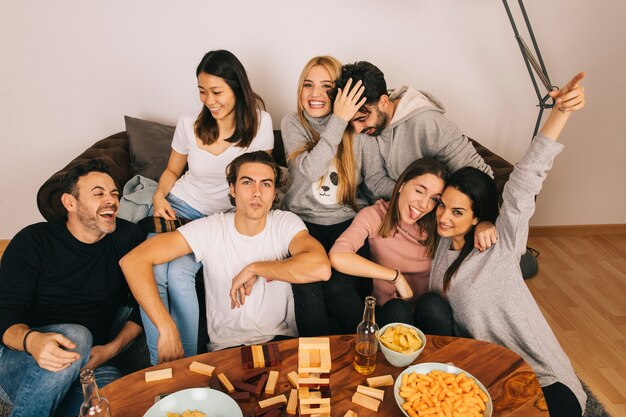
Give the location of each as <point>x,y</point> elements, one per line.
<point>408,124</point>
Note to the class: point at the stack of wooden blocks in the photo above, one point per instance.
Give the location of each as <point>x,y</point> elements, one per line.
<point>314,364</point>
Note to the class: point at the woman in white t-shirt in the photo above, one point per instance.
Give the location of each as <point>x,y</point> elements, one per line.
<point>232,122</point>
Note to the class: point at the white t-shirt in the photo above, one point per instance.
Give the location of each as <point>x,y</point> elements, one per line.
<point>204,185</point>
<point>224,252</point>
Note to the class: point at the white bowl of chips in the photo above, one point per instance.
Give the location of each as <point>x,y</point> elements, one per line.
<point>401,343</point>
<point>467,391</point>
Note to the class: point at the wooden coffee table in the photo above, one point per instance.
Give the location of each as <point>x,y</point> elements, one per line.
<point>510,381</point>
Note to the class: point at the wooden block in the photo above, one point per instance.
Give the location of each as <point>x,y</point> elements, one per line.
<point>267,360</point>
<point>365,401</point>
<point>350,413</point>
<point>314,343</point>
<point>293,378</point>
<point>276,412</point>
<point>325,358</point>
<point>258,411</point>
<point>307,411</point>
<point>271,383</point>
<point>158,375</point>
<point>319,369</point>
<point>380,381</point>
<point>292,404</point>
<point>314,357</point>
<point>201,368</point>
<point>253,376</point>
<point>226,383</point>
<point>371,392</point>
<point>259,385</point>
<point>303,359</point>
<point>241,396</point>
<point>257,356</point>
<point>315,401</point>
<point>313,382</point>
<point>242,386</point>
<point>274,400</point>
<point>246,357</point>
<point>303,392</point>
<point>275,351</point>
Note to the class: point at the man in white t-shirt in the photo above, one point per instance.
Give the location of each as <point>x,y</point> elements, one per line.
<point>250,257</point>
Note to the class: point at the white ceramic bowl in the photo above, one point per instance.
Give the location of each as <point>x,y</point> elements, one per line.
<point>397,358</point>
<point>425,368</point>
<point>211,402</point>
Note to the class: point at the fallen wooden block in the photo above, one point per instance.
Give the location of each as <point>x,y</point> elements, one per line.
<point>365,401</point>
<point>242,386</point>
<point>371,392</point>
<point>293,378</point>
<point>226,383</point>
<point>259,385</point>
<point>271,383</point>
<point>158,375</point>
<point>279,399</point>
<point>258,411</point>
<point>201,368</point>
<point>241,396</point>
<point>292,404</point>
<point>350,413</point>
<point>380,381</point>
<point>253,376</point>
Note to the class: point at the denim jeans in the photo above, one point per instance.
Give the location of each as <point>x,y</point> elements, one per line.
<point>176,283</point>
<point>34,391</point>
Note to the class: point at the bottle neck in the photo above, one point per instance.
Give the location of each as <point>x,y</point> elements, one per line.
<point>369,311</point>
<point>90,388</point>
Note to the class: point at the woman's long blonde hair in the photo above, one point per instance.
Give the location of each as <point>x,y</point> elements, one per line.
<point>344,159</point>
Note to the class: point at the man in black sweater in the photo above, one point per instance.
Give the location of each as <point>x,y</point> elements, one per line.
<point>60,290</point>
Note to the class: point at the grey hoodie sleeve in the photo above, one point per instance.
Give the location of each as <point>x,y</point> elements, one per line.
<point>444,141</point>
<point>373,170</point>
<point>312,165</point>
<point>518,197</point>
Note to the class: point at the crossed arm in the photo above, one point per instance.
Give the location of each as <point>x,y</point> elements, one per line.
<point>308,263</point>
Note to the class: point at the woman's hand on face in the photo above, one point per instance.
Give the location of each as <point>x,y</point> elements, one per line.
<point>349,101</point>
<point>162,208</point>
<point>485,235</point>
<point>403,288</point>
<point>572,96</point>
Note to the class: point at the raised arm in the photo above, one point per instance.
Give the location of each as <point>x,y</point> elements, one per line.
<point>527,178</point>
<point>308,263</point>
<point>137,266</point>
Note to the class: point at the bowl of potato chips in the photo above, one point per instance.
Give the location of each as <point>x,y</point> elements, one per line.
<point>401,343</point>
<point>441,389</point>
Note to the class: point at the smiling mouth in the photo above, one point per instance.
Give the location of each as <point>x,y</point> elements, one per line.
<point>415,213</point>
<point>317,104</point>
<point>108,214</point>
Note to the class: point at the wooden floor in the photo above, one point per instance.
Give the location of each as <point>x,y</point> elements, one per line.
<point>581,288</point>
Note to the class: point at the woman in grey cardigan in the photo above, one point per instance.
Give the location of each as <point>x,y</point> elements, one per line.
<point>326,165</point>
<point>487,296</point>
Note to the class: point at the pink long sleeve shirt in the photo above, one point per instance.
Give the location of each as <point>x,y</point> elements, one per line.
<point>400,250</point>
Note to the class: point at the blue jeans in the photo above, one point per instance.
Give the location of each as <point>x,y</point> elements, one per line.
<point>34,391</point>
<point>176,282</point>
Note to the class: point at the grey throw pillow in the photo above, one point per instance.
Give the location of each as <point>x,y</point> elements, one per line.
<point>150,146</point>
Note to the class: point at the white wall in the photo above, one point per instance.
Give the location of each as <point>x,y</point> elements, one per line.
<point>71,70</point>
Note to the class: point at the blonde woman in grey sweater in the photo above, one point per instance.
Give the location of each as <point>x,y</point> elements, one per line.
<point>487,296</point>
<point>326,165</point>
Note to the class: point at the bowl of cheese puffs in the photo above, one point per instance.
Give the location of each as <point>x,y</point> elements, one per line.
<point>401,343</point>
